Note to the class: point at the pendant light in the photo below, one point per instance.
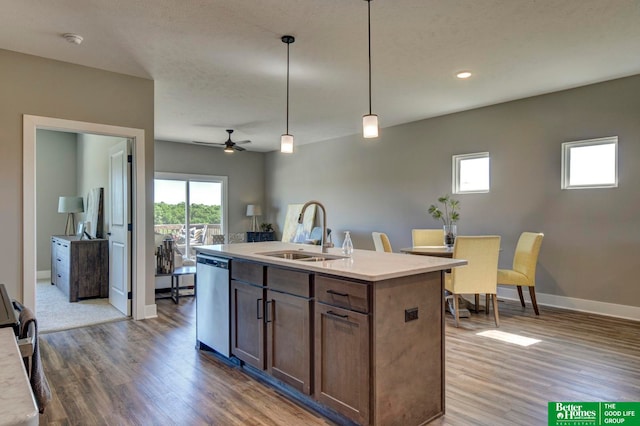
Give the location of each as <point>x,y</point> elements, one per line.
<point>369,121</point>
<point>286,140</point>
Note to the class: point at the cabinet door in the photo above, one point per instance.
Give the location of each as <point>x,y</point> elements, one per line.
<point>247,323</point>
<point>342,361</point>
<point>289,339</point>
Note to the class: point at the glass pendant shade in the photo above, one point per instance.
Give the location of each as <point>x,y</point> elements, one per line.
<point>370,126</point>
<point>228,150</point>
<point>286,143</point>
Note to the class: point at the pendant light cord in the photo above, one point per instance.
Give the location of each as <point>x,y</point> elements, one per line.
<point>369,36</point>
<point>288,88</point>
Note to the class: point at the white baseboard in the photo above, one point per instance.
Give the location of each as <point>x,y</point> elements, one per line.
<point>574,304</point>
<point>41,275</point>
<point>150,311</point>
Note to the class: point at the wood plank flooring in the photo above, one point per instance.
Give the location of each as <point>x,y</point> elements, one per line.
<point>149,372</point>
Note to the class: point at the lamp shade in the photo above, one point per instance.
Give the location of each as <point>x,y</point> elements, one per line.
<point>254,210</point>
<point>370,126</point>
<point>70,205</point>
<point>286,143</point>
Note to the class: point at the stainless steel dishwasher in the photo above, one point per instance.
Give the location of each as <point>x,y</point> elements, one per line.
<point>212,303</point>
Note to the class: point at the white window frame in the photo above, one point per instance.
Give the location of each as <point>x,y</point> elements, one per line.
<point>456,160</point>
<point>200,178</point>
<point>566,162</point>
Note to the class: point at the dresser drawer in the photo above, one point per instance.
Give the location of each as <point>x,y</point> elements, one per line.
<point>343,294</point>
<point>287,281</point>
<point>248,272</point>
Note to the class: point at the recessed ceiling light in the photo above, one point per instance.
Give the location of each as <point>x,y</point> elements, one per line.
<point>463,74</point>
<point>73,38</point>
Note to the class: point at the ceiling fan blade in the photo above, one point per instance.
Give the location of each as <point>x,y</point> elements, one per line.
<point>239,148</point>
<point>242,142</point>
<point>209,143</point>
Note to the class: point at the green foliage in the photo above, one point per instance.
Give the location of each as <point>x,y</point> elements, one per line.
<point>266,227</point>
<point>449,215</point>
<point>171,214</point>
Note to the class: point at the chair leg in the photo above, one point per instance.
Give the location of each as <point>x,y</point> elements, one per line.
<point>487,296</point>
<point>520,294</point>
<point>532,293</point>
<point>495,309</point>
<point>456,309</point>
<point>477,302</point>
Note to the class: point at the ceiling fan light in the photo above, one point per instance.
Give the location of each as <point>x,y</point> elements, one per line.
<point>228,149</point>
<point>370,126</point>
<point>286,143</point>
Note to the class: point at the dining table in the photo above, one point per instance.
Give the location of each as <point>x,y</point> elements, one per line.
<point>443,251</point>
<point>439,251</point>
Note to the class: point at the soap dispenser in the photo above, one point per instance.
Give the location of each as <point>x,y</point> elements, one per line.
<point>347,245</point>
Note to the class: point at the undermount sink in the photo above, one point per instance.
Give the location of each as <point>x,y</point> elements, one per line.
<point>302,255</point>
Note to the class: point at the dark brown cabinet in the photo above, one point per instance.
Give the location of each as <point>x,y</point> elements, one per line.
<point>271,322</point>
<point>247,323</point>
<point>80,268</point>
<point>342,347</point>
<point>247,313</point>
<point>288,318</point>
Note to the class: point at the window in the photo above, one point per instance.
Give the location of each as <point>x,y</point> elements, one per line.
<point>591,163</point>
<point>190,209</point>
<point>471,173</point>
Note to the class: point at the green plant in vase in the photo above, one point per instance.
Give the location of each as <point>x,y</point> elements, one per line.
<point>449,215</point>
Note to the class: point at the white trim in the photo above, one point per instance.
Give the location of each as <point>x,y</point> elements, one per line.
<point>565,169</point>
<point>455,170</point>
<point>151,311</point>
<point>30,123</point>
<point>203,178</point>
<point>41,275</point>
<point>574,304</point>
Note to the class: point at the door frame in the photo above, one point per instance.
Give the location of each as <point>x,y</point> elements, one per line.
<point>30,124</point>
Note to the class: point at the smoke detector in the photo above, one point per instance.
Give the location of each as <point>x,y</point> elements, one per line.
<point>73,38</point>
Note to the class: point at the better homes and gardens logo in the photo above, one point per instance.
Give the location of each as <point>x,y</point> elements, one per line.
<point>575,413</point>
<point>594,413</point>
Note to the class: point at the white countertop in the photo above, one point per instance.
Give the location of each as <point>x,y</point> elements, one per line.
<point>17,404</point>
<point>363,264</point>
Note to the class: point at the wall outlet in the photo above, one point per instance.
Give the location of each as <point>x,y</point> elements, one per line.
<point>410,314</point>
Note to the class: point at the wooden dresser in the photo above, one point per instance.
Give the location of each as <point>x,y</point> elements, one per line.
<point>80,268</point>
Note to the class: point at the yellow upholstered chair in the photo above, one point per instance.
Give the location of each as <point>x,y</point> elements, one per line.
<point>479,274</point>
<point>381,242</point>
<point>427,237</point>
<point>524,266</point>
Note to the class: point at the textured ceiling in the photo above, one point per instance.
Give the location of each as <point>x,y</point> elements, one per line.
<point>221,64</point>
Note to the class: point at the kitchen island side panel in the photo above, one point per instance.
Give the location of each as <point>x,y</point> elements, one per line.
<point>408,354</point>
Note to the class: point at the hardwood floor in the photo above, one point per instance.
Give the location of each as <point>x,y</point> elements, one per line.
<point>149,372</point>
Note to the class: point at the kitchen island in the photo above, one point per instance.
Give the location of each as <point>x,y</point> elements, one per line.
<point>360,336</point>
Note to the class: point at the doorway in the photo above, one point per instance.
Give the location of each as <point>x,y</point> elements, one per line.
<point>138,257</point>
<point>74,269</point>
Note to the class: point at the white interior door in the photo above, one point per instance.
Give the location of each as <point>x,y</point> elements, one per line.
<point>119,234</point>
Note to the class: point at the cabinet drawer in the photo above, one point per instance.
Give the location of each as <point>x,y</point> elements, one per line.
<point>344,294</point>
<point>286,281</point>
<point>248,272</point>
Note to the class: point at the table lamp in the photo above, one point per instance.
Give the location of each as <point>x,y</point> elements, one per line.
<point>254,210</point>
<point>70,205</point>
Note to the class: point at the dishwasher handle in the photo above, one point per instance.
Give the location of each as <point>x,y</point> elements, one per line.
<point>214,262</point>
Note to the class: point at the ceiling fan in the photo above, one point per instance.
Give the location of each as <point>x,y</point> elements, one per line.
<point>229,145</point>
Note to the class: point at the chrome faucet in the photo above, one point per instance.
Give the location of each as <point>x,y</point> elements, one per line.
<point>324,242</point>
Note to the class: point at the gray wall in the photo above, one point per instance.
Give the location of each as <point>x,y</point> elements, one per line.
<point>56,176</point>
<point>245,172</point>
<point>43,87</point>
<point>592,236</point>
<point>93,170</point>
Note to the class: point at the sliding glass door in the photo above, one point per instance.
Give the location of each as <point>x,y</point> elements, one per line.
<point>189,209</point>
